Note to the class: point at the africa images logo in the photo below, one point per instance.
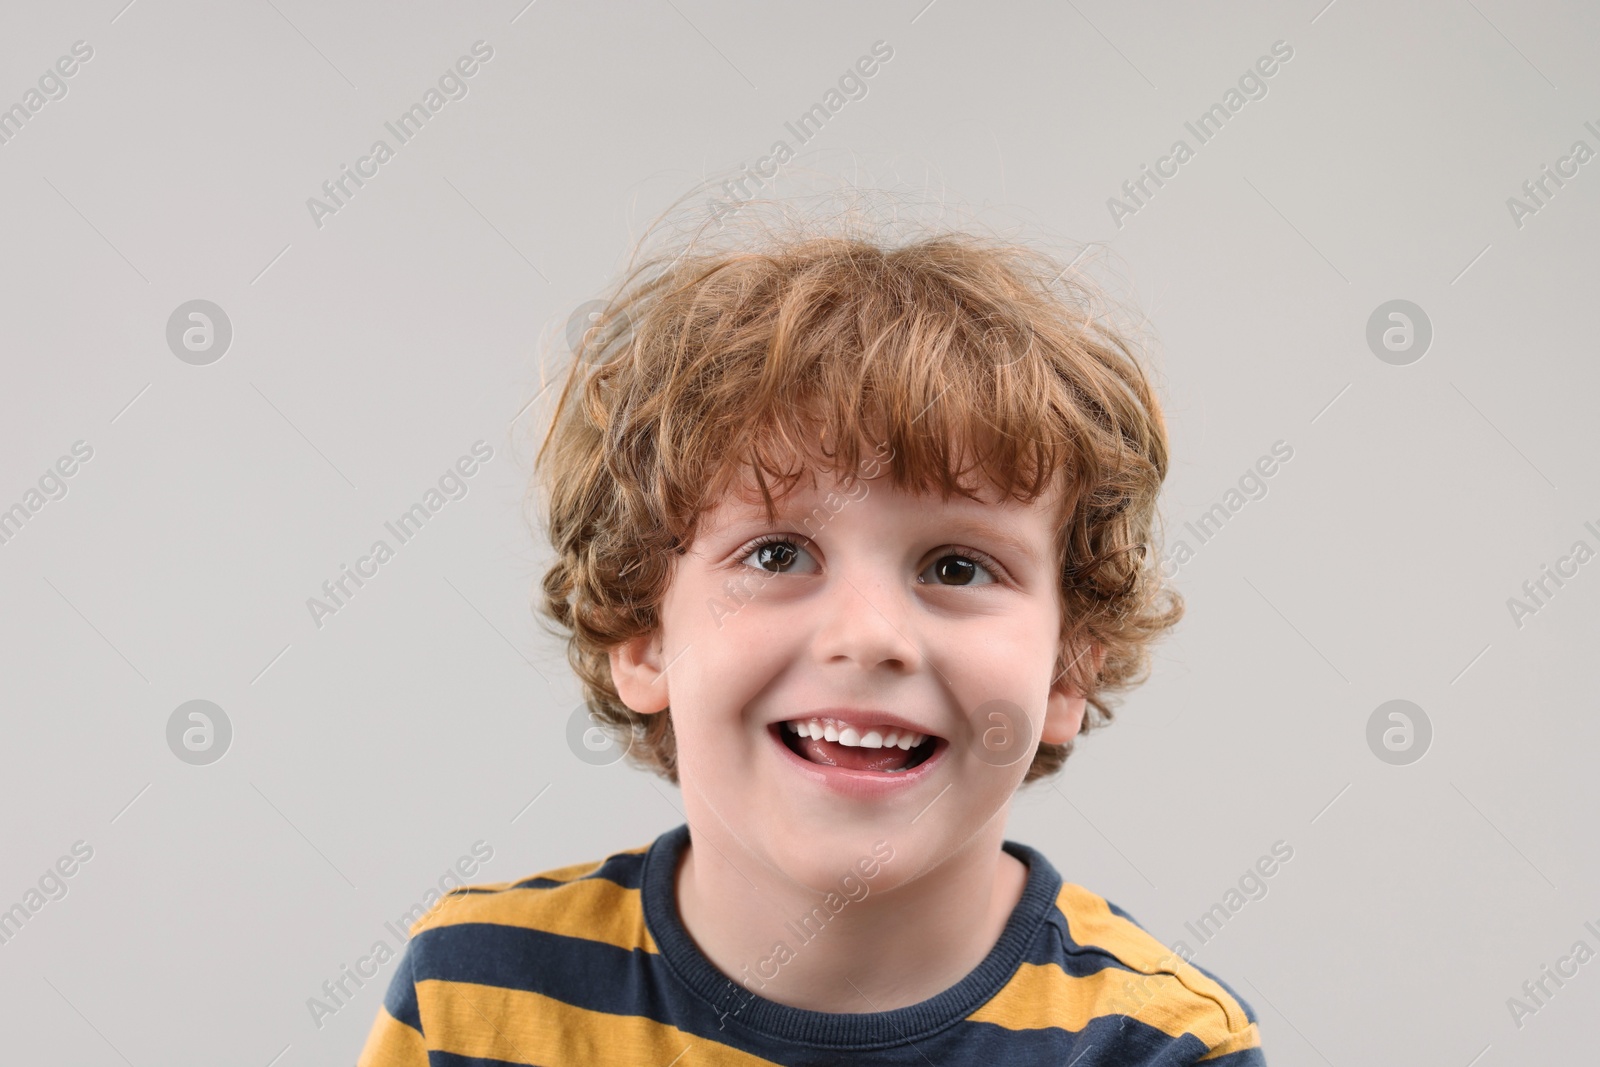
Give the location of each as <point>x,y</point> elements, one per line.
<point>452,86</point>
<point>452,485</point>
<point>1252,85</point>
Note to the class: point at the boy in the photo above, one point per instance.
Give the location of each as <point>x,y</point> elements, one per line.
<point>848,537</point>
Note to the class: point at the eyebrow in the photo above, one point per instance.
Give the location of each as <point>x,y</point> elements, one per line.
<point>975,527</point>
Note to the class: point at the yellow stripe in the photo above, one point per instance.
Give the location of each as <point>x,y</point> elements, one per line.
<point>391,1043</point>
<point>1249,1037</point>
<point>595,909</point>
<point>522,1027</point>
<point>1091,922</point>
<point>563,874</point>
<point>1040,996</point>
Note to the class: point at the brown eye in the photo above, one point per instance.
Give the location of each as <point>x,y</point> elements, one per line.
<point>957,569</point>
<point>777,553</point>
<point>774,555</point>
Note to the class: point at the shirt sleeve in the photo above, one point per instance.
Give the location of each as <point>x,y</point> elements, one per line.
<point>1242,1045</point>
<point>1240,1049</point>
<point>395,1039</point>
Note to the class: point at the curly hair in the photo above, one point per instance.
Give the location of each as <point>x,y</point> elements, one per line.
<point>705,363</point>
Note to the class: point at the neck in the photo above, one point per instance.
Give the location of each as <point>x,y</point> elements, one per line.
<point>885,949</point>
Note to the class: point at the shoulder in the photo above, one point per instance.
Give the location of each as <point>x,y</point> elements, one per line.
<point>1099,970</point>
<point>596,901</point>
<point>536,942</point>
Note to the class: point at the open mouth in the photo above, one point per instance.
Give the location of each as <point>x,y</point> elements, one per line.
<point>882,749</point>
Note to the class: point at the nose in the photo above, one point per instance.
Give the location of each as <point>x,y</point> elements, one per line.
<point>869,617</point>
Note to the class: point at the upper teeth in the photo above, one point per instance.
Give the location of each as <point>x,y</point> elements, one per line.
<point>830,730</point>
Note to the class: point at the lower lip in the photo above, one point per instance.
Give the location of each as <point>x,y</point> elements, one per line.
<point>857,785</point>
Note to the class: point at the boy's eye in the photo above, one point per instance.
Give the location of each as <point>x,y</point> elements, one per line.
<point>776,554</point>
<point>959,567</point>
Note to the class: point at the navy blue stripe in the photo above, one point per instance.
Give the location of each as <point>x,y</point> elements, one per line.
<point>586,974</point>
<point>450,1059</point>
<point>1076,961</point>
<point>400,999</point>
<point>604,978</point>
<point>1105,1041</point>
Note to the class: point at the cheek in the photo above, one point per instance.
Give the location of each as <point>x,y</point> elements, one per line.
<point>1001,674</point>
<point>1008,651</point>
<point>727,678</point>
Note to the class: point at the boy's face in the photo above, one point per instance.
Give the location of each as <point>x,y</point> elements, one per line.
<point>873,600</point>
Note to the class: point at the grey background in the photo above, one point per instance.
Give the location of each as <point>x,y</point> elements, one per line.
<point>368,354</point>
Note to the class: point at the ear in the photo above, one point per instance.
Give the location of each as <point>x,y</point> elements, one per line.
<point>1063,713</point>
<point>636,671</point>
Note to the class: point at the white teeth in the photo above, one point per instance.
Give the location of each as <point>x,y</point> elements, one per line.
<point>828,730</point>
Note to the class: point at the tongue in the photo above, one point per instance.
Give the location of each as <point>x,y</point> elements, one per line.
<point>852,757</point>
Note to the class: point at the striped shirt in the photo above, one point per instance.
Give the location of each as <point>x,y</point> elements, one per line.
<point>591,965</point>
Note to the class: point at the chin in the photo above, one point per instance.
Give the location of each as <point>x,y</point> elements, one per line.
<point>874,857</point>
